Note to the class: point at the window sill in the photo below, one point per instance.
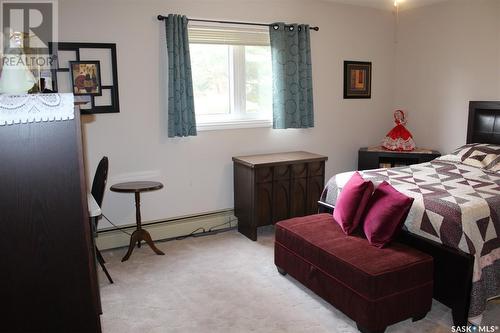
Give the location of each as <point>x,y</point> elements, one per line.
<point>232,124</point>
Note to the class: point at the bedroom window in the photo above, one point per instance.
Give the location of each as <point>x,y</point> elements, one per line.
<point>232,77</point>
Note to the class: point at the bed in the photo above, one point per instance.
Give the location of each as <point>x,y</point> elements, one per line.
<point>455,216</point>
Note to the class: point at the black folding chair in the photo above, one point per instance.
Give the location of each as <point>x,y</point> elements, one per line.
<point>98,187</point>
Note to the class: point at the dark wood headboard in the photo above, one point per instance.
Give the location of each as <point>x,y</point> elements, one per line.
<point>484,122</point>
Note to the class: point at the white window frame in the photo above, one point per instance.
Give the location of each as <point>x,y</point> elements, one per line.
<point>238,117</point>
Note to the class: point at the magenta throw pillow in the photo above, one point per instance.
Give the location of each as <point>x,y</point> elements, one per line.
<point>352,202</point>
<point>385,214</point>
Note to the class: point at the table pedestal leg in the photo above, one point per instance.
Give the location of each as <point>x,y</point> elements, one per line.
<point>138,219</point>
<point>140,234</point>
<point>137,236</point>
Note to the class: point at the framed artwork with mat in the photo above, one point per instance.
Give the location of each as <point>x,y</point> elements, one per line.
<point>357,79</point>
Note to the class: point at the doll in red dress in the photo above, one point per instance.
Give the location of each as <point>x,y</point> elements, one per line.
<point>399,138</point>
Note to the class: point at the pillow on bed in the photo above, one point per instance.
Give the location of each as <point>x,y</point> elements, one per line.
<point>480,155</point>
<point>352,202</point>
<point>385,214</point>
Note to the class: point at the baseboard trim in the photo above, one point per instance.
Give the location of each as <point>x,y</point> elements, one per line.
<point>112,238</point>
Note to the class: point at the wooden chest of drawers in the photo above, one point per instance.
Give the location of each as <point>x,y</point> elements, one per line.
<point>273,187</point>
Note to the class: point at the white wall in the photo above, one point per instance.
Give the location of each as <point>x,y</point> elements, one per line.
<point>447,55</point>
<point>197,171</point>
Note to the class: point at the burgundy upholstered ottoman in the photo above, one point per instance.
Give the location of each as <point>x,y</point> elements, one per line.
<point>374,287</point>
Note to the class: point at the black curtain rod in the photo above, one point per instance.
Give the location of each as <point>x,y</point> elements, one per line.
<point>162,18</point>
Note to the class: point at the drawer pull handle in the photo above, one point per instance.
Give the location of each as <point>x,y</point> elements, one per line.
<point>312,271</point>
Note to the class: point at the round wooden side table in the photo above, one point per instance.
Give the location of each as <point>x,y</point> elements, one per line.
<point>139,234</point>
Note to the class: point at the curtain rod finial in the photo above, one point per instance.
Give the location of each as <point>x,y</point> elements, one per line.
<point>315,28</point>
<point>161,17</point>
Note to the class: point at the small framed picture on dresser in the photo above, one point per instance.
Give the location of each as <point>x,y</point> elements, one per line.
<point>357,79</point>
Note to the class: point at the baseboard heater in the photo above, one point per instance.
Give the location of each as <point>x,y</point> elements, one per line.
<point>170,220</point>
<point>168,229</point>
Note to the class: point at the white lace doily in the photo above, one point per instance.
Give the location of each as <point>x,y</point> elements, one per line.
<point>28,108</point>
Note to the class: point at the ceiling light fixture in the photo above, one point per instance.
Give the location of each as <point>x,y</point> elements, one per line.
<point>396,23</point>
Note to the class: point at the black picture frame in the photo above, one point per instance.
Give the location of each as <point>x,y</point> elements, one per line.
<point>357,79</point>
<point>97,80</point>
<point>91,107</point>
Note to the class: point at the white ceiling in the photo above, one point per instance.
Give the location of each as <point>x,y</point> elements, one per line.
<point>389,4</point>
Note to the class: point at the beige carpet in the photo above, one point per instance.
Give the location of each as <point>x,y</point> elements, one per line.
<point>226,283</point>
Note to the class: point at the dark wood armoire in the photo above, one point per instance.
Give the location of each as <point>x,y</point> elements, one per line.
<point>48,280</point>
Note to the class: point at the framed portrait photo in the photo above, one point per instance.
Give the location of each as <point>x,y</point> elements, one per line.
<point>357,79</point>
<point>86,78</point>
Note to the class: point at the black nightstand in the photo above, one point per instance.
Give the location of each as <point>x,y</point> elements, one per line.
<point>377,157</point>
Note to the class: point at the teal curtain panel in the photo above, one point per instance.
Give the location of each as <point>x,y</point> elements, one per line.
<point>181,116</point>
<point>292,76</point>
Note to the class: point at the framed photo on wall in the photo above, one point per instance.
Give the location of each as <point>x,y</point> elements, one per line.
<point>357,79</point>
<point>86,78</point>
<point>96,66</point>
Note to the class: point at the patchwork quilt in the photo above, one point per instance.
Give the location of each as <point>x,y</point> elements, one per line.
<point>456,204</point>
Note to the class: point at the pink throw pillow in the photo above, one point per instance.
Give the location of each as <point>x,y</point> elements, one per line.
<point>352,202</point>
<point>385,214</point>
